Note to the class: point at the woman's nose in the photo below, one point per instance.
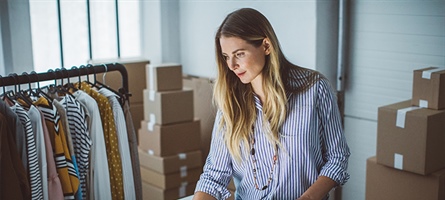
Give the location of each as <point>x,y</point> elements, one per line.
<point>232,64</point>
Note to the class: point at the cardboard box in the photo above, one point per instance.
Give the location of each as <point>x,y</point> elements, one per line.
<point>136,71</point>
<point>411,138</point>
<point>169,106</point>
<point>170,181</point>
<point>429,88</point>
<point>164,77</point>
<point>150,192</point>
<point>386,183</point>
<point>168,140</point>
<point>170,164</point>
<point>203,108</point>
<point>137,114</point>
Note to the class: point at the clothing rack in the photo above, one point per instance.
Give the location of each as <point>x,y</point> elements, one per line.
<point>68,73</point>
<point>64,73</point>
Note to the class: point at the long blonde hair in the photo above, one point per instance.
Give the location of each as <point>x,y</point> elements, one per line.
<point>235,99</point>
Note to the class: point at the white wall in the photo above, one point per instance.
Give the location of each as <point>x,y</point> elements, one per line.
<point>16,39</point>
<point>151,30</point>
<point>294,23</point>
<point>388,40</point>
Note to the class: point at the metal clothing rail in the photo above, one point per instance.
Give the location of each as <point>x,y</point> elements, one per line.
<point>68,73</point>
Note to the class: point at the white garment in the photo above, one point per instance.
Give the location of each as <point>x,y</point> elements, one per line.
<point>124,148</point>
<point>36,122</point>
<point>99,171</point>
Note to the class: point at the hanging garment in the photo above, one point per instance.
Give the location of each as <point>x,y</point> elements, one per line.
<point>10,187</point>
<point>69,140</point>
<point>34,172</point>
<point>133,151</point>
<point>81,140</point>
<point>36,122</point>
<point>123,142</point>
<point>65,167</point>
<point>55,191</point>
<point>99,176</point>
<point>20,137</point>
<point>65,125</point>
<point>113,156</point>
<point>14,129</point>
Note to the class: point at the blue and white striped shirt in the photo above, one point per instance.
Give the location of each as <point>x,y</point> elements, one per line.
<point>314,145</point>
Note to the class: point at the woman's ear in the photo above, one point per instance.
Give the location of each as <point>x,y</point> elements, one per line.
<point>267,46</point>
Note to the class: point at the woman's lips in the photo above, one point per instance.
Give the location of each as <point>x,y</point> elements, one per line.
<point>240,74</point>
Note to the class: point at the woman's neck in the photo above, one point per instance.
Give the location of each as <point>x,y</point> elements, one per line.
<point>257,87</point>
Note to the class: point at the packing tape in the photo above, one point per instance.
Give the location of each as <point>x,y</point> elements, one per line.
<point>182,189</point>
<point>151,95</point>
<point>183,170</point>
<point>401,115</point>
<point>398,161</point>
<point>427,73</point>
<point>423,103</point>
<point>152,122</point>
<point>182,156</point>
<point>151,77</point>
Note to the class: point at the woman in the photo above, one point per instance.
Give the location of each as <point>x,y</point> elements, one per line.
<point>278,129</point>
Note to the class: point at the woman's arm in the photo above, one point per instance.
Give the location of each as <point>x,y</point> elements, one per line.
<point>319,189</point>
<point>217,170</point>
<point>203,196</point>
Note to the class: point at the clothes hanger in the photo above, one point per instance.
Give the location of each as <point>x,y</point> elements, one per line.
<point>17,94</point>
<point>22,94</point>
<point>80,80</point>
<point>11,93</point>
<point>68,86</point>
<point>30,91</point>
<point>121,96</point>
<point>94,75</point>
<point>4,95</point>
<point>39,92</point>
<point>105,74</point>
<point>52,88</point>
<point>88,67</point>
<point>72,86</point>
<point>78,70</point>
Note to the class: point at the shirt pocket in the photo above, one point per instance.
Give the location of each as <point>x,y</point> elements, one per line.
<point>299,121</point>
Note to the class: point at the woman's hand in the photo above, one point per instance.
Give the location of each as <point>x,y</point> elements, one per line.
<point>319,189</point>
<point>304,197</point>
<point>202,196</point>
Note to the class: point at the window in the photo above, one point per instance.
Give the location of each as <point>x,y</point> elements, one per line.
<point>69,33</point>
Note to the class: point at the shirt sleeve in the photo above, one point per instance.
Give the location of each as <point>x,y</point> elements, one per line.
<point>335,149</point>
<point>217,170</point>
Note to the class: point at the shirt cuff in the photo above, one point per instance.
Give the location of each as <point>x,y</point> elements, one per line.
<point>338,174</point>
<point>213,189</point>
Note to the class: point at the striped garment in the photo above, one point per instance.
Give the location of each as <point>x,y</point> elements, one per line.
<point>80,136</point>
<point>65,168</point>
<point>313,145</point>
<point>35,177</point>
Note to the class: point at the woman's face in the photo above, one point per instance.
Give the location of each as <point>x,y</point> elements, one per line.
<point>243,59</point>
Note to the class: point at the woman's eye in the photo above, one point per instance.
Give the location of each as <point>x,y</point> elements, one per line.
<point>225,57</point>
<point>240,54</point>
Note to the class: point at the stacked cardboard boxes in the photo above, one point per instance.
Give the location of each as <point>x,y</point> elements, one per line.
<point>169,137</point>
<point>410,160</point>
<point>203,107</point>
